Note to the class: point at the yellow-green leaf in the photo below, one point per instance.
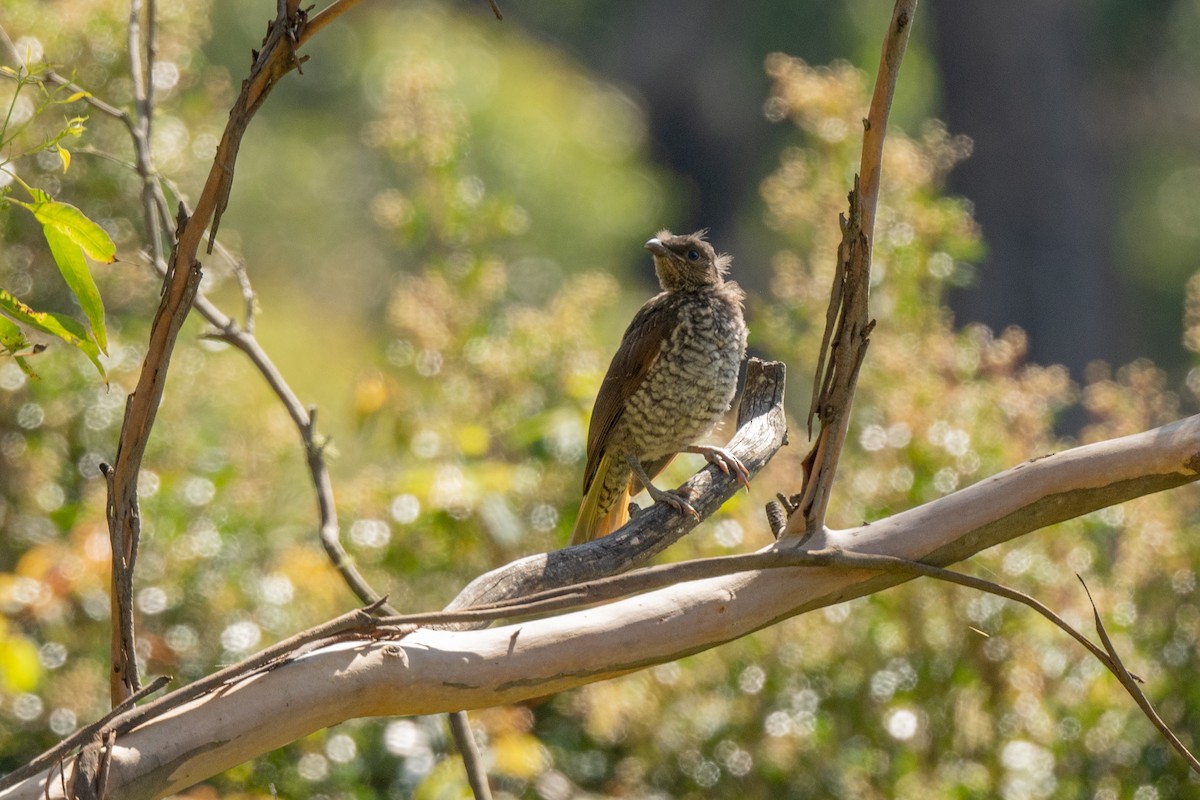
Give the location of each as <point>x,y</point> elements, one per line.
<point>74,223</point>
<point>77,96</point>
<point>65,328</point>
<point>23,363</point>
<point>64,155</point>
<point>12,338</point>
<point>69,257</point>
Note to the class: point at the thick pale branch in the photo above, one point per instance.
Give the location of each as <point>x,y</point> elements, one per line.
<point>438,670</point>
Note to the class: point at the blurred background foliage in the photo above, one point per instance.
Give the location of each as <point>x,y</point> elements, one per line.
<point>443,217</point>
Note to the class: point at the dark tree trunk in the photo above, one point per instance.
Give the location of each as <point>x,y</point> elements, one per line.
<point>1015,79</point>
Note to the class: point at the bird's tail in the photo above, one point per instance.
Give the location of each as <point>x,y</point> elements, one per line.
<point>592,522</point>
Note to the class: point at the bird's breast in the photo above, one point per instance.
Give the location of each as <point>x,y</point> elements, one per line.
<point>693,380</point>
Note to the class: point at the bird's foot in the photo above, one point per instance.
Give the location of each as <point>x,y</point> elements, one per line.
<point>673,499</point>
<point>726,461</point>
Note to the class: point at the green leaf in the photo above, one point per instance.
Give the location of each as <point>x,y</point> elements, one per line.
<point>75,224</point>
<point>12,338</point>
<point>65,328</point>
<point>73,266</point>
<point>23,363</point>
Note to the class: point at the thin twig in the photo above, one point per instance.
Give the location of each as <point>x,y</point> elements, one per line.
<point>180,286</point>
<point>468,748</point>
<point>236,265</point>
<point>875,125</point>
<point>124,677</point>
<point>50,76</point>
<point>142,76</point>
<point>1117,667</point>
<point>109,739</point>
<point>323,18</point>
<point>361,621</point>
<point>648,579</point>
<point>83,734</point>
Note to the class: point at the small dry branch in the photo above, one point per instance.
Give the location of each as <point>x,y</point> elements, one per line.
<point>847,322</point>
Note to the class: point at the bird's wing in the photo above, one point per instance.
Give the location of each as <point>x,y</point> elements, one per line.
<point>640,348</point>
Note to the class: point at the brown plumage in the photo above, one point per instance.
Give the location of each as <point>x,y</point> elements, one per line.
<point>671,380</point>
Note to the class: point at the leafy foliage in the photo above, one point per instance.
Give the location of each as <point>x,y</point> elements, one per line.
<point>457,392</point>
<point>68,231</point>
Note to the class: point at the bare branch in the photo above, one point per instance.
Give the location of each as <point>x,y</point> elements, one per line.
<point>323,18</point>
<point>275,60</point>
<point>143,105</point>
<point>843,348</point>
<point>847,322</point>
<point>460,726</point>
<point>875,125</point>
<point>17,60</point>
<point>123,678</point>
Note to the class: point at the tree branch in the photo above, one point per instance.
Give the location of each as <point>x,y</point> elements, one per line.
<point>17,60</point>
<point>275,60</point>
<point>847,322</point>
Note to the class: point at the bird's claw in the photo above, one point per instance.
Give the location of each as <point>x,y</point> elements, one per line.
<point>674,501</point>
<point>725,461</point>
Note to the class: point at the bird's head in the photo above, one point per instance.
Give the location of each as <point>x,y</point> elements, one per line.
<point>686,261</point>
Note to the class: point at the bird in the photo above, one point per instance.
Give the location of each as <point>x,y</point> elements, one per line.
<point>671,380</point>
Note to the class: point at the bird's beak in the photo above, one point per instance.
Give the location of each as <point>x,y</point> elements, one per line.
<point>656,247</point>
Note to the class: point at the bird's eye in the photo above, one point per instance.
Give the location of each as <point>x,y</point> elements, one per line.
<point>693,255</point>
